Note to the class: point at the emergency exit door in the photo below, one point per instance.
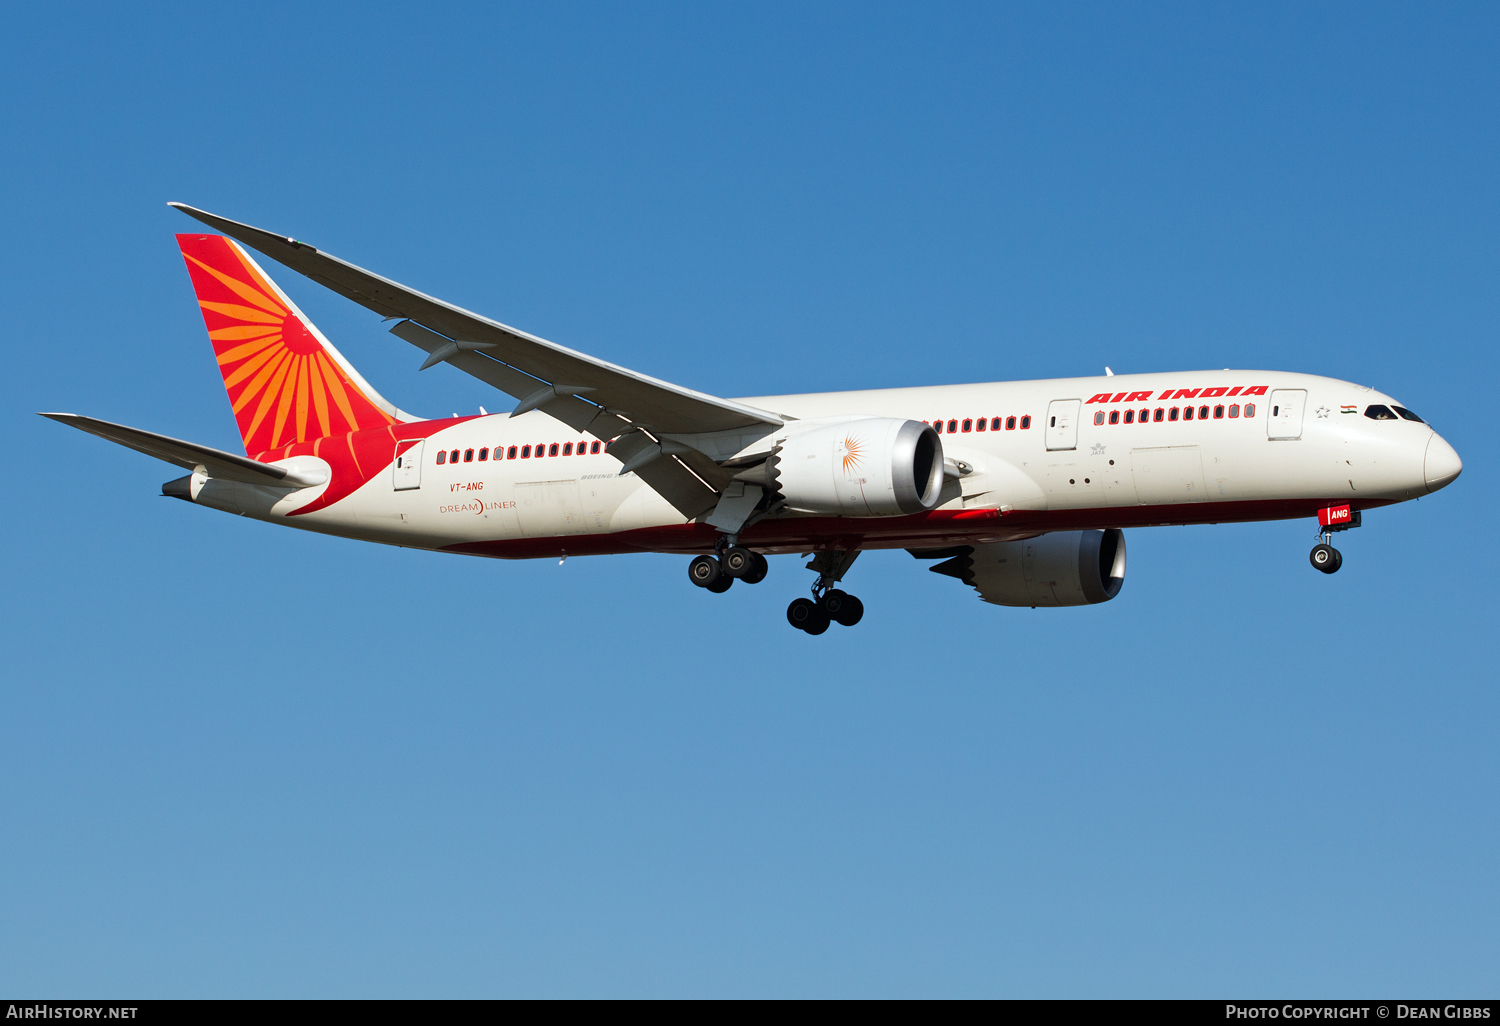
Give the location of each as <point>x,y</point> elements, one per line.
<point>1062,424</point>
<point>408,466</point>
<point>1285,414</point>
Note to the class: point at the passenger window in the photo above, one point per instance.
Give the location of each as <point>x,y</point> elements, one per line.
<point>1130,416</point>
<point>1099,417</point>
<point>968,426</point>
<point>995,424</point>
<point>593,448</point>
<point>1010,423</point>
<point>1187,413</point>
<point>1159,415</point>
<point>952,426</point>
<point>1406,415</point>
<point>979,425</point>
<point>1234,411</point>
<point>1379,413</point>
<point>510,453</point>
<point>468,455</point>
<point>937,426</point>
<point>1145,416</point>
<point>552,449</point>
<point>1114,416</point>
<point>1218,413</point>
<point>1172,413</point>
<point>567,448</point>
<point>1203,413</point>
<point>525,452</point>
<point>442,457</point>
<point>484,454</point>
<point>1249,409</point>
<point>453,456</point>
<point>1026,423</point>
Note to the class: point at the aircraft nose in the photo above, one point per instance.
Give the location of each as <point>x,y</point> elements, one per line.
<point>1441,464</point>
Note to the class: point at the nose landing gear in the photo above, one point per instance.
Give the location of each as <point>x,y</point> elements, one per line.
<point>1324,557</point>
<point>828,604</point>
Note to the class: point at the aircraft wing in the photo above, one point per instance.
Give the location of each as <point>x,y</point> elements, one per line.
<point>215,462</point>
<point>535,371</point>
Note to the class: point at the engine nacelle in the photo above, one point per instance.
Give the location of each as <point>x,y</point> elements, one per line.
<point>859,467</point>
<point>1065,568</point>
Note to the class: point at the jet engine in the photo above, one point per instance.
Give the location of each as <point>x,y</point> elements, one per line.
<point>857,467</point>
<point>1065,568</point>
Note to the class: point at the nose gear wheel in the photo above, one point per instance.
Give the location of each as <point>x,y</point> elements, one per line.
<point>1326,558</point>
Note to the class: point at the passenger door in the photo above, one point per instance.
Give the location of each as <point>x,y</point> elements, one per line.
<point>408,466</point>
<point>1285,420</point>
<point>1062,424</point>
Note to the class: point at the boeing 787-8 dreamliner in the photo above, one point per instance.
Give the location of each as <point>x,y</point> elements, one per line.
<point>1019,489</point>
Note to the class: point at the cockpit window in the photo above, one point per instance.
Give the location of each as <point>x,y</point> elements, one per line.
<point>1408,415</point>
<point>1379,413</point>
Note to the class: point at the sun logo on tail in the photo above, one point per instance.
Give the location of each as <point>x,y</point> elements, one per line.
<point>853,451</point>
<point>282,382</point>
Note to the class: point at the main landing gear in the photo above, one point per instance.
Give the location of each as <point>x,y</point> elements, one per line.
<point>828,605</point>
<point>717,573</point>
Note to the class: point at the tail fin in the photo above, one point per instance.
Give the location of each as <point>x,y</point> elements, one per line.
<point>286,382</point>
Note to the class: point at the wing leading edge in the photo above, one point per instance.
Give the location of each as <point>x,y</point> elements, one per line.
<point>520,364</point>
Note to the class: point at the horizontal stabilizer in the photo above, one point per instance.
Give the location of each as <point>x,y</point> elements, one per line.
<point>225,466</point>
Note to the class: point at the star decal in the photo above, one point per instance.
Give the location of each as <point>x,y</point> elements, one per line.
<point>1323,412</point>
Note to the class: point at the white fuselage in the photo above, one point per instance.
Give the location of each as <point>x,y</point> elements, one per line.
<point>1012,482</point>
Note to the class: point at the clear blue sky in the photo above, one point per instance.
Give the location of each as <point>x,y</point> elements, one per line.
<point>240,760</point>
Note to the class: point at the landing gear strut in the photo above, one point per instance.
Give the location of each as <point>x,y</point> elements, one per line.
<point>828,604</point>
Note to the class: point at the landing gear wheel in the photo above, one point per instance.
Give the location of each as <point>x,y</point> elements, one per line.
<point>705,571</point>
<point>738,561</point>
<point>842,607</point>
<point>758,572</point>
<point>1326,558</point>
<point>720,586</point>
<point>807,615</point>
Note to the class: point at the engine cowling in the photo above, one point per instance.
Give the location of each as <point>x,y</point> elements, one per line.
<point>1065,568</point>
<point>859,467</point>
